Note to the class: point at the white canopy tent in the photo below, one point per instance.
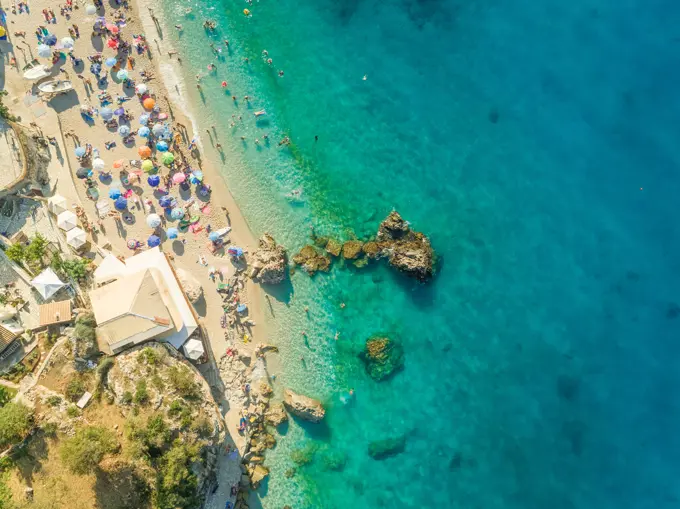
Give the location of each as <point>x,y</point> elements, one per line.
<point>193,349</point>
<point>103,208</point>
<point>47,283</point>
<point>111,268</point>
<point>57,204</point>
<point>76,238</point>
<point>67,220</point>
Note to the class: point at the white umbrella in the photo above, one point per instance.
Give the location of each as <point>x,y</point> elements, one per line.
<point>193,349</point>
<point>67,42</point>
<point>47,283</point>
<point>56,204</point>
<point>98,164</point>
<point>158,129</point>
<point>141,88</point>
<point>153,220</point>
<point>103,208</point>
<point>76,238</point>
<point>67,220</point>
<point>44,51</point>
<point>90,9</point>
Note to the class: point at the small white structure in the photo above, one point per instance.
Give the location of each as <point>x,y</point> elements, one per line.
<point>109,269</point>
<point>47,283</point>
<point>76,238</point>
<point>103,208</point>
<point>57,204</point>
<point>67,220</point>
<point>84,400</point>
<point>193,349</point>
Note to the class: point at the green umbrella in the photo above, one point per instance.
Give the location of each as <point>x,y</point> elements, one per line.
<point>168,158</point>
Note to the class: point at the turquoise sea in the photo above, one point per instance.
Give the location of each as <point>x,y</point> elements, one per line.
<point>536,143</point>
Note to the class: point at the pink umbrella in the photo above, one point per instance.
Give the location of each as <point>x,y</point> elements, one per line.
<point>178,178</point>
<point>112,28</point>
<point>162,116</point>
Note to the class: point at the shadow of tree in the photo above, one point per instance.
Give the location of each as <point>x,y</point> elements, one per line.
<point>121,486</point>
<point>28,459</point>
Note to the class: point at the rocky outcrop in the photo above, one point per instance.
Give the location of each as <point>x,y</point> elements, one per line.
<point>276,415</point>
<point>371,249</point>
<point>269,262</point>
<point>382,357</point>
<point>406,250</point>
<point>312,260</point>
<point>192,288</point>
<point>333,247</point>
<point>351,249</point>
<point>381,449</point>
<point>257,474</point>
<point>303,407</point>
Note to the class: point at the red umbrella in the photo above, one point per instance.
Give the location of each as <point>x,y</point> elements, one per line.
<point>112,43</point>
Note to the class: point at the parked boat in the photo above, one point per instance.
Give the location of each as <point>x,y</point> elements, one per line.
<point>54,87</point>
<point>37,72</point>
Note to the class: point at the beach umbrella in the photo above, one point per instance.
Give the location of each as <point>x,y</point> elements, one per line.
<point>132,244</point>
<point>98,164</point>
<point>153,220</point>
<point>90,9</point>
<point>120,203</point>
<point>50,40</point>
<point>119,164</point>
<point>80,151</point>
<point>119,111</point>
<point>47,283</point>
<point>173,233</point>
<point>144,152</point>
<point>111,27</point>
<point>162,116</point>
<point>141,88</point>
<point>83,173</point>
<point>196,176</point>
<point>177,213</point>
<point>76,238</point>
<point>95,69</point>
<point>154,180</point>
<point>106,113</point>
<point>3,33</point>
<point>44,51</point>
<point>149,103</point>
<point>122,74</point>
<point>148,167</point>
<point>143,131</point>
<point>144,119</point>
<point>67,220</point>
<point>114,193</point>
<point>162,146</point>
<point>67,42</point>
<point>112,43</point>
<point>124,130</point>
<point>165,201</point>
<point>57,204</point>
<point>235,251</point>
<point>154,241</point>
<point>214,236</point>
<point>179,177</point>
<point>168,158</point>
<point>110,62</point>
<point>158,129</point>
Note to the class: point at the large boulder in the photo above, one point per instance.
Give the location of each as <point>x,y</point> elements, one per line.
<point>312,260</point>
<point>382,357</point>
<point>192,288</point>
<point>269,261</point>
<point>407,250</point>
<point>275,415</point>
<point>351,249</point>
<point>381,449</point>
<point>257,474</point>
<point>303,407</point>
<point>333,247</point>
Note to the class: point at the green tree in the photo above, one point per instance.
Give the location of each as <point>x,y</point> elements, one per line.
<point>4,110</point>
<point>75,388</point>
<point>175,483</point>
<point>141,393</point>
<point>16,421</point>
<point>35,251</point>
<point>16,252</point>
<point>83,453</point>
<point>6,395</point>
<point>182,380</point>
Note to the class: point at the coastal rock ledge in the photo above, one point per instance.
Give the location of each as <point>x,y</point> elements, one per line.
<point>303,407</point>
<point>406,250</point>
<point>269,262</point>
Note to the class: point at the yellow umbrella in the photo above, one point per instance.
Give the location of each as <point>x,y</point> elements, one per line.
<point>147,165</point>
<point>2,31</point>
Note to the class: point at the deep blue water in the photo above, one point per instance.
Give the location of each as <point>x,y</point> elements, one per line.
<point>536,144</point>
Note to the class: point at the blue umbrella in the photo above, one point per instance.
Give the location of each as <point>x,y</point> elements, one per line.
<point>214,236</point>
<point>154,180</point>
<point>50,40</point>
<point>153,241</point>
<point>197,174</point>
<point>106,113</point>
<point>144,119</point>
<point>173,233</point>
<point>95,68</point>
<point>241,308</point>
<point>143,131</point>
<point>177,213</point>
<point>120,203</point>
<point>165,201</point>
<point>114,193</point>
<point>124,130</point>
<point>80,151</point>
<point>166,134</point>
<point>120,111</point>
<point>110,62</point>
<point>162,146</point>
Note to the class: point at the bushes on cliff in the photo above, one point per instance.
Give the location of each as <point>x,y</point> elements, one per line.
<point>82,453</point>
<point>175,482</point>
<point>16,420</point>
<point>182,380</point>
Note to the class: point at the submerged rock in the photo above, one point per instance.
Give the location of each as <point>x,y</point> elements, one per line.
<point>321,241</point>
<point>407,250</point>
<point>312,260</point>
<point>269,261</point>
<point>276,415</point>
<point>381,449</point>
<point>382,357</point>
<point>333,247</point>
<point>302,406</point>
<point>351,249</point>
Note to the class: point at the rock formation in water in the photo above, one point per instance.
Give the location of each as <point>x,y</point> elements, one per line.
<point>302,406</point>
<point>381,449</point>
<point>269,262</point>
<point>406,250</point>
<point>275,415</point>
<point>351,249</point>
<point>312,260</point>
<point>382,357</point>
<point>333,247</point>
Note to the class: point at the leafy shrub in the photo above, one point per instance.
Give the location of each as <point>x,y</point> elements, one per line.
<point>157,382</point>
<point>16,420</point>
<point>182,380</point>
<point>4,110</point>
<point>76,269</point>
<point>175,483</point>
<point>105,366</point>
<point>126,398</point>
<point>153,437</point>
<point>75,388</point>
<point>17,253</point>
<point>50,429</point>
<point>6,395</point>
<point>35,251</point>
<point>148,356</point>
<point>202,427</point>
<point>53,401</point>
<point>83,453</point>
<point>73,411</point>
<point>141,394</point>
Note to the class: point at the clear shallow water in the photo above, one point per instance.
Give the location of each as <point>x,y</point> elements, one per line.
<point>536,145</point>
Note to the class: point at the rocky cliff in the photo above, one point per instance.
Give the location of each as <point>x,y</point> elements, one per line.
<point>269,263</point>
